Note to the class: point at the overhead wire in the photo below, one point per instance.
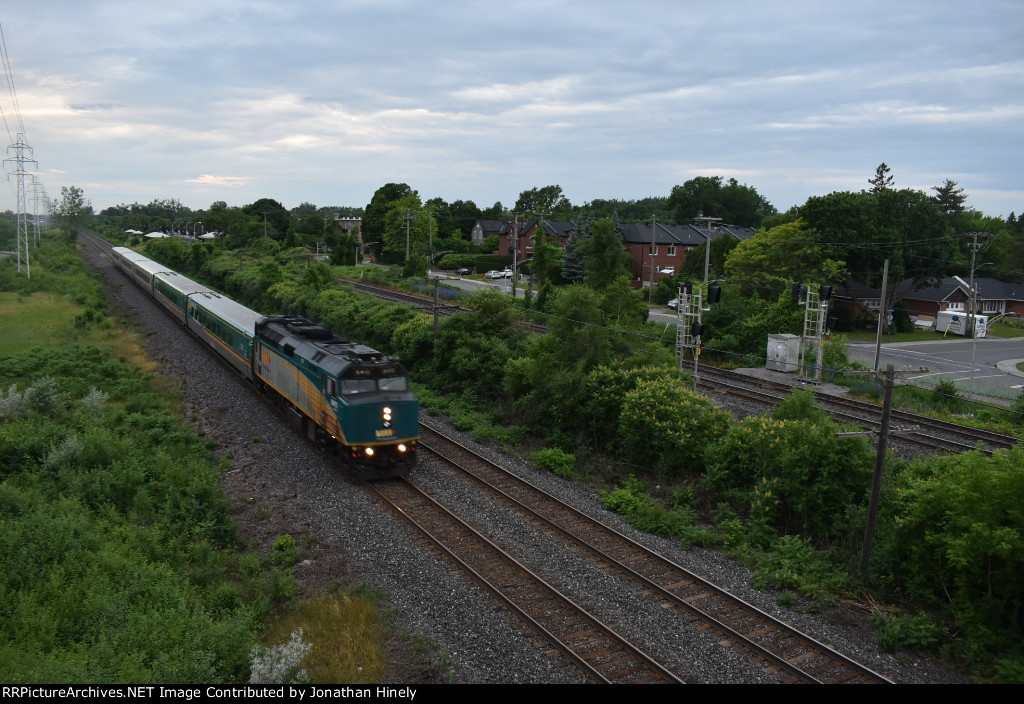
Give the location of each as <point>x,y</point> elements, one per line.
<point>9,77</point>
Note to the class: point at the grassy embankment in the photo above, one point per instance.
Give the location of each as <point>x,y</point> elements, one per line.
<point>122,563</point>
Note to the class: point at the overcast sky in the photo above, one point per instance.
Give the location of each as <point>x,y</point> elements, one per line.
<point>327,101</point>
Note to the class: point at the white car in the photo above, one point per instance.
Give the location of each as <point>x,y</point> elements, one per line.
<point>495,274</point>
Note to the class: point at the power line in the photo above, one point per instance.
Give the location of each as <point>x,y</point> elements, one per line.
<point>9,76</point>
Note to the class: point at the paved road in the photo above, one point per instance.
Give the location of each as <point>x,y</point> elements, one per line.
<point>995,361</point>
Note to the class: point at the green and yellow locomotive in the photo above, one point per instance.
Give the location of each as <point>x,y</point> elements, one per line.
<point>343,394</point>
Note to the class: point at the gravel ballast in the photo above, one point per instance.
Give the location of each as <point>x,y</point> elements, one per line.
<point>279,483</point>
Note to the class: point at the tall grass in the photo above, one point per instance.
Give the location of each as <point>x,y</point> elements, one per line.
<point>346,636</point>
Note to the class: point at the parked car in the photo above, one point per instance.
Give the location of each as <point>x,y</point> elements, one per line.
<point>495,274</point>
<point>463,271</point>
<point>673,304</point>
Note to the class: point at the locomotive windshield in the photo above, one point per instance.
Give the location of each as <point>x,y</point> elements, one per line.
<point>364,385</point>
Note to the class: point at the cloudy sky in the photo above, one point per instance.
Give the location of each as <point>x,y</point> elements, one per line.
<point>324,102</point>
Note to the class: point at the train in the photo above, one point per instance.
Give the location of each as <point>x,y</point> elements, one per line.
<point>351,399</point>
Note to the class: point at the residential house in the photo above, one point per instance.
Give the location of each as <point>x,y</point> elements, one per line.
<point>660,252</point>
<point>993,298</point>
<point>483,229</point>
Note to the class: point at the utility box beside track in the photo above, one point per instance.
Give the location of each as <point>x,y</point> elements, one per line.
<point>783,352</point>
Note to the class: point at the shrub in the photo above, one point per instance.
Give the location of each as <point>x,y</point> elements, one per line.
<point>918,632</point>
<point>667,425</point>
<point>960,541</point>
<point>797,475</point>
<point>561,463</point>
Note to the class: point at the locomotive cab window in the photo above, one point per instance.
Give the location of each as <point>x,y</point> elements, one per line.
<point>330,386</point>
<point>394,383</point>
<point>358,386</point>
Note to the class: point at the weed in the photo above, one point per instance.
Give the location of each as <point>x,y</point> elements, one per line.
<point>279,664</point>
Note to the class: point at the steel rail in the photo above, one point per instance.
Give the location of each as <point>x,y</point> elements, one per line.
<point>610,637</point>
<point>593,530</point>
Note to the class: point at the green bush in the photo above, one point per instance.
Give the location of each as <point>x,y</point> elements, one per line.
<point>959,533</point>
<point>561,463</point>
<point>796,475</point>
<point>919,632</point>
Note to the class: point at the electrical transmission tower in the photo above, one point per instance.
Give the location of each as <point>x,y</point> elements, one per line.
<point>39,208</point>
<point>22,154</point>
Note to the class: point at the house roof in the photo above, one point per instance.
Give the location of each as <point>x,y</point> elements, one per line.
<point>553,228</point>
<point>988,289</point>
<point>681,235</point>
<point>493,227</point>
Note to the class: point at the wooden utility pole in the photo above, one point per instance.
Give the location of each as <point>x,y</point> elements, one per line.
<point>876,481</point>
<point>881,311</point>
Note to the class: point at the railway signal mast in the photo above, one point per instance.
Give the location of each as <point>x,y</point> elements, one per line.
<point>816,322</point>
<point>689,328</point>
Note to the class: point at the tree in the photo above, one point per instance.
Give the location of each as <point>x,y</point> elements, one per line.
<point>606,256</point>
<point>304,210</point>
<point>547,200</point>
<point>495,212</point>
<point>443,222</point>
<point>546,263</point>
<point>377,209</point>
<point>406,225</point>
<point>72,209</point>
<point>950,200</point>
<point>273,215</point>
<point>864,229</point>
<point>464,215</point>
<point>574,260</point>
<point>882,181</point>
<point>790,252</point>
<point>720,249</point>
<point>705,195</point>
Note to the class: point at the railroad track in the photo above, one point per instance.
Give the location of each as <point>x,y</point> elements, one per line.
<point>916,429</point>
<point>742,626</point>
<point>424,301</point>
<point>603,655</point>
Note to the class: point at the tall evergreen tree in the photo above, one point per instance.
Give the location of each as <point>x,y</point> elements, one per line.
<point>882,181</point>
<point>574,260</point>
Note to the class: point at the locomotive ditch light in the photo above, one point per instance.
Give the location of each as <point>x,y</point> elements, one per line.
<point>402,447</point>
<point>369,452</point>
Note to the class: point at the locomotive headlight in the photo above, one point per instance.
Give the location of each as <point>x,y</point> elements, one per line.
<point>402,447</point>
<point>369,452</point>
<point>387,410</point>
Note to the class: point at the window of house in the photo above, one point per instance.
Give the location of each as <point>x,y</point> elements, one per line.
<point>653,250</point>
<point>955,305</point>
<point>672,251</point>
